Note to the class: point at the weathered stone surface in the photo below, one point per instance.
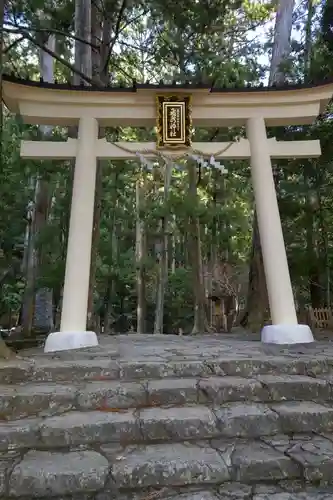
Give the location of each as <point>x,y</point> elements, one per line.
<point>51,474</point>
<point>35,399</point>
<point>7,462</point>
<point>295,387</point>
<point>198,495</point>
<point>112,394</point>
<point>190,367</point>
<point>253,462</point>
<point>271,489</point>
<point>225,492</point>
<point>166,392</point>
<point>164,493</point>
<point>19,434</point>
<point>246,420</point>
<point>297,416</point>
<point>178,423</point>
<point>235,491</point>
<point>144,372</point>
<point>91,427</point>
<point>313,453</point>
<point>169,465</point>
<point>15,371</point>
<point>249,366</point>
<point>151,369</point>
<point>306,495</point>
<point>266,492</point>
<point>75,371</point>
<point>174,356</point>
<point>219,390</point>
<point>238,366</point>
<point>138,370</point>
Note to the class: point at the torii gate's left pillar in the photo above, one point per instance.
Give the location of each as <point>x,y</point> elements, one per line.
<point>73,333</point>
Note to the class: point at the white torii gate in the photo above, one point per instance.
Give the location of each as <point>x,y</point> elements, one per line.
<point>51,104</point>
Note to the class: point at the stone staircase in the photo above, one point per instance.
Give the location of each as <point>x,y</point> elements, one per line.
<point>154,421</point>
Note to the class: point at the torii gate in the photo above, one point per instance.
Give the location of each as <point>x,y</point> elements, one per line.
<point>175,107</point>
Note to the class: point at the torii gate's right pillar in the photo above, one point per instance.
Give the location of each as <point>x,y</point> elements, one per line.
<point>285,328</point>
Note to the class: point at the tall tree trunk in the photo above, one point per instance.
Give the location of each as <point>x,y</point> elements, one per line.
<point>314,271</point>
<point>37,307</point>
<point>164,260</point>
<point>194,247</point>
<point>2,15</point>
<point>281,45</point>
<point>111,286</point>
<point>83,61</point>
<point>101,30</point>
<point>255,314</point>
<point>43,310</point>
<point>83,55</point>
<point>140,255</point>
<point>5,352</point>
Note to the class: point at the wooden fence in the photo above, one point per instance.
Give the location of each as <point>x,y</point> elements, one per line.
<point>321,317</point>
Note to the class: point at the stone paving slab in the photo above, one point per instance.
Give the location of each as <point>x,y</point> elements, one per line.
<point>169,465</point>
<point>240,494</point>
<point>254,462</point>
<point>295,496</point>
<point>242,461</point>
<point>79,370</point>
<point>231,470</point>
<point>75,370</point>
<point>235,491</point>
<point>76,428</point>
<point>176,391</point>
<point>314,453</point>
<point>19,434</point>
<point>35,399</point>
<point>249,420</point>
<point>112,394</point>
<point>178,423</point>
<point>46,399</point>
<point>219,390</point>
<point>7,461</point>
<point>299,387</point>
<point>298,416</point>
<point>16,371</point>
<point>42,472</point>
<point>200,495</point>
<point>135,357</point>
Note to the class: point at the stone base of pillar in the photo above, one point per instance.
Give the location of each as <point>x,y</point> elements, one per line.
<point>65,341</point>
<point>286,334</point>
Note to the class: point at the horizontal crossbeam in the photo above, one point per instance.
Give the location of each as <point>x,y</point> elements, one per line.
<point>129,150</point>
<point>45,106</point>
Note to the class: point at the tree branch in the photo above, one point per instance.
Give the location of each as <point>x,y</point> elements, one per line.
<point>11,45</point>
<point>91,81</point>
<point>20,29</point>
<point>117,28</point>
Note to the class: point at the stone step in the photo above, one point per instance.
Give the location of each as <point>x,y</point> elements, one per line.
<point>90,368</point>
<point>25,400</point>
<point>175,424</point>
<point>227,469</point>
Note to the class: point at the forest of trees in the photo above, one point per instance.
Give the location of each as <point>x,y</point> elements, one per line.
<point>159,229</point>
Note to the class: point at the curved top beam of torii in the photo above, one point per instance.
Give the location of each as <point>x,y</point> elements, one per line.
<point>57,104</point>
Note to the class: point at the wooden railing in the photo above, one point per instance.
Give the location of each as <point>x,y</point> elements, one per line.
<point>321,317</point>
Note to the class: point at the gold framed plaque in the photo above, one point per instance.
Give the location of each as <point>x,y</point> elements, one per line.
<point>174,121</point>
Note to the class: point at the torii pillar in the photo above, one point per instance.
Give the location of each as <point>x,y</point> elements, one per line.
<point>285,328</point>
<point>73,333</point>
